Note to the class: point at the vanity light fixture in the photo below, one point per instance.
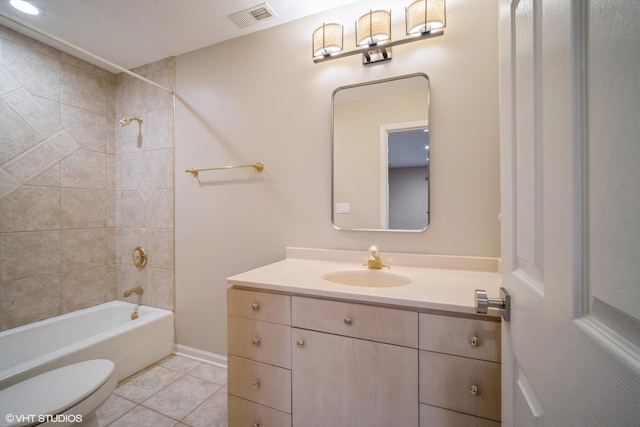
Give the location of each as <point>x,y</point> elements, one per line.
<point>424,19</point>
<point>424,16</point>
<point>25,7</point>
<point>328,39</point>
<point>373,29</point>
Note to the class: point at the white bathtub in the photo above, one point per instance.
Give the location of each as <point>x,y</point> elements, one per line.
<point>103,331</point>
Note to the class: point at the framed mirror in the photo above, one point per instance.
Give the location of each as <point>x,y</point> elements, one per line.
<point>381,145</point>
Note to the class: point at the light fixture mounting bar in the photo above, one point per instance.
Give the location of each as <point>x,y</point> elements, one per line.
<point>373,48</point>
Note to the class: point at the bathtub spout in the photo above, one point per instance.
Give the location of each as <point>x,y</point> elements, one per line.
<point>134,291</point>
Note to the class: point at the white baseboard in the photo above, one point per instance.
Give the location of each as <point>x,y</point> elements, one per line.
<point>200,355</point>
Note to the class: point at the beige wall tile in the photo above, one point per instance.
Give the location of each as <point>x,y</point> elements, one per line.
<point>83,288</point>
<point>84,90</point>
<point>159,166</point>
<point>30,209</point>
<point>48,178</point>
<point>8,184</point>
<point>28,107</point>
<point>16,136</point>
<point>159,210</point>
<point>83,248</point>
<point>128,240</point>
<point>159,289</point>
<point>84,169</point>
<point>38,72</point>
<point>160,248</point>
<point>131,210</point>
<point>88,129</point>
<point>129,170</point>
<point>83,208</point>
<point>38,298</point>
<point>158,129</point>
<point>29,254</point>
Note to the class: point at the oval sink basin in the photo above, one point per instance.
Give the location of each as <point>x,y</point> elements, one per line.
<point>367,277</point>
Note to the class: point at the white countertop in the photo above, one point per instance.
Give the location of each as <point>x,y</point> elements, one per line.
<point>438,282</point>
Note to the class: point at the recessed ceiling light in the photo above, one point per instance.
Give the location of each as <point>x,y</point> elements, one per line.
<point>25,7</point>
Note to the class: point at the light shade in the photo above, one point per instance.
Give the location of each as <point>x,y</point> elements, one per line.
<point>424,16</point>
<point>373,27</point>
<point>327,40</point>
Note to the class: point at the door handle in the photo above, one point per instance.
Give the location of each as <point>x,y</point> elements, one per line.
<point>483,303</point>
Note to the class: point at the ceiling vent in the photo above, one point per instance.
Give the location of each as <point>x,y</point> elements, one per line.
<point>253,15</point>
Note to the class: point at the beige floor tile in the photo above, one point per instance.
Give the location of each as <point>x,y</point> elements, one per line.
<point>143,417</point>
<point>182,396</point>
<point>180,364</point>
<point>113,408</point>
<point>212,413</point>
<point>141,387</point>
<point>211,373</point>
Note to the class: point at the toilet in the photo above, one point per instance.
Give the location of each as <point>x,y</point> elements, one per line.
<point>67,396</point>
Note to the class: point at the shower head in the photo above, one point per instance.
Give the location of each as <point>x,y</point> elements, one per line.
<point>126,121</point>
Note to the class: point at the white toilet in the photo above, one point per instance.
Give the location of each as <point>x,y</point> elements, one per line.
<point>69,395</point>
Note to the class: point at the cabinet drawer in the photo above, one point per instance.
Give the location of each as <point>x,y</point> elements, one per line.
<point>430,416</point>
<point>245,413</point>
<point>260,341</point>
<point>259,306</point>
<point>388,325</point>
<point>261,383</point>
<point>446,381</point>
<point>478,339</point>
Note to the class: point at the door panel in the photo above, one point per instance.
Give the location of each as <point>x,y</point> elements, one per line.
<point>570,194</point>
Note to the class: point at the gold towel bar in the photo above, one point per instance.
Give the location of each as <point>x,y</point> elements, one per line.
<point>259,167</point>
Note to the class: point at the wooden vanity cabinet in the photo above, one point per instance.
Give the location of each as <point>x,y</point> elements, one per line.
<point>341,379</point>
<point>306,361</point>
<point>459,371</point>
<point>259,363</point>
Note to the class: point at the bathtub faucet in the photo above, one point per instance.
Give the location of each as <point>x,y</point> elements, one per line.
<point>134,291</point>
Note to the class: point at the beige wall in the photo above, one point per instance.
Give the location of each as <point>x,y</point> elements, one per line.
<point>261,98</point>
<point>77,193</point>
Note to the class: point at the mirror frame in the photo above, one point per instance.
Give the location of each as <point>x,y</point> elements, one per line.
<point>333,152</point>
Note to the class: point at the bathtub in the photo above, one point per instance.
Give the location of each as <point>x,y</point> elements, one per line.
<point>103,331</point>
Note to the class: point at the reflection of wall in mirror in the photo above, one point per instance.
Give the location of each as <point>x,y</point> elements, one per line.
<point>357,153</point>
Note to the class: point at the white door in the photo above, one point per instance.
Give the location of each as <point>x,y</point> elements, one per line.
<point>570,172</point>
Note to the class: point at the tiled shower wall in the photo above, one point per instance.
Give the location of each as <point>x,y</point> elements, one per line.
<point>66,171</point>
<point>144,183</point>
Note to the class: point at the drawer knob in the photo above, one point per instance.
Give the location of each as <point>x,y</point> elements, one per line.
<point>474,390</point>
<point>256,424</point>
<point>348,321</point>
<point>475,341</point>
<point>255,341</point>
<point>255,384</point>
<point>255,306</point>
<point>300,343</point>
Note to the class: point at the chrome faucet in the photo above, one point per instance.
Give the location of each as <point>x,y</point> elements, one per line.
<point>134,291</point>
<point>375,261</point>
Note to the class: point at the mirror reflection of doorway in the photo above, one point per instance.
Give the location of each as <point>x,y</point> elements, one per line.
<point>407,176</point>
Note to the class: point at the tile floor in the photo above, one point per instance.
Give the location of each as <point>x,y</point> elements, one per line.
<point>176,391</point>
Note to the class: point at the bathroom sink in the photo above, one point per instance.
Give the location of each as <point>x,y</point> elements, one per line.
<point>367,277</point>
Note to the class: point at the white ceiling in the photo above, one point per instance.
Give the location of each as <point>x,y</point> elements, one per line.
<point>131,33</point>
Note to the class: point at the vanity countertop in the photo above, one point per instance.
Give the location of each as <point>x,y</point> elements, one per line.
<point>441,283</point>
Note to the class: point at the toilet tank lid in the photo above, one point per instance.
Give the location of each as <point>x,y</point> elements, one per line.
<point>54,391</point>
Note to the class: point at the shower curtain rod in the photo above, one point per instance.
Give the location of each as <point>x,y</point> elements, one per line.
<point>81,50</point>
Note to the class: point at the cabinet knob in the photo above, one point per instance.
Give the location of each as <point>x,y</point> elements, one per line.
<point>255,384</point>
<point>300,343</point>
<point>474,390</point>
<point>474,341</point>
<point>348,321</point>
<point>256,424</point>
<point>255,306</point>
<point>255,341</point>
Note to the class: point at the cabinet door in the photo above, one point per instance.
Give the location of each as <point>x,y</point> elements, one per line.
<point>347,382</point>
